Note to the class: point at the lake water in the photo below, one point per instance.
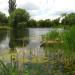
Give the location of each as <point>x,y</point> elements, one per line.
<point>34,38</point>
<point>32,48</point>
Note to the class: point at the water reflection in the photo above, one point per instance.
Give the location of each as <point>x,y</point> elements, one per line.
<point>30,56</point>
<point>19,38</point>
<point>3,34</point>
<point>4,39</point>
<point>29,41</point>
<point>35,40</point>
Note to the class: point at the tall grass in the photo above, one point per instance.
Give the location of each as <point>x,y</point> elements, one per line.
<point>8,69</point>
<point>66,55</point>
<point>51,35</point>
<point>69,40</point>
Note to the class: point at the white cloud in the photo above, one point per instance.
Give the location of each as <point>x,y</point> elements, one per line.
<point>4,6</point>
<point>64,5</point>
<point>42,9</point>
<point>29,6</point>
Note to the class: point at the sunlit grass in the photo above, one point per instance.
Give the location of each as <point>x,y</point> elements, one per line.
<point>6,56</point>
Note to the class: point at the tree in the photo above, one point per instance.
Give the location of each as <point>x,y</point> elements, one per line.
<point>55,22</point>
<point>41,23</point>
<point>32,23</point>
<point>69,19</point>
<point>45,23</point>
<point>12,6</point>
<point>3,19</point>
<point>18,16</point>
<point>17,20</point>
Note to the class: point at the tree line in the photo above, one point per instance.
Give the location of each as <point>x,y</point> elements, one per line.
<point>18,16</point>
<point>22,17</point>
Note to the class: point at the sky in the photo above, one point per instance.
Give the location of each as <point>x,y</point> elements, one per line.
<point>42,9</point>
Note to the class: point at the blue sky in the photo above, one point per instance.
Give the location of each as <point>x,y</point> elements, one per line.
<point>42,9</point>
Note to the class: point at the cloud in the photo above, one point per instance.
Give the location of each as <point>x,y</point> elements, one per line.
<point>64,5</point>
<point>42,9</point>
<point>4,6</point>
<point>30,6</point>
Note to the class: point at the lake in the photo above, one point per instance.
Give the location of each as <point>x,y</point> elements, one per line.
<point>30,56</point>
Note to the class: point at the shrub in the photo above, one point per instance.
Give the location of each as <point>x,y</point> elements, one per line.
<point>69,40</point>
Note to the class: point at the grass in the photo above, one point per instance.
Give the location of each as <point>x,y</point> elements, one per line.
<point>5,56</point>
<point>32,69</point>
<point>67,50</point>
<point>38,65</point>
<point>5,27</point>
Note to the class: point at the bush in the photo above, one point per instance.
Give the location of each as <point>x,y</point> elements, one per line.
<point>69,40</point>
<point>51,36</point>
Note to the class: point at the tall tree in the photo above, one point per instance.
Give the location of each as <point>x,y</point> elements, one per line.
<point>18,21</point>
<point>12,6</point>
<point>69,19</point>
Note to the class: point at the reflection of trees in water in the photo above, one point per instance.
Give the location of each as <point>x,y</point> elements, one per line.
<point>22,37</point>
<point>18,37</point>
<point>3,34</point>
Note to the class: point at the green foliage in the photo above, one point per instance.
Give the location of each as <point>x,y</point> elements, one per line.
<point>32,23</point>
<point>3,19</point>
<point>44,23</point>
<point>18,16</point>
<point>7,69</point>
<point>64,55</point>
<point>18,22</point>
<point>69,19</point>
<point>52,35</point>
<point>29,69</point>
<point>55,22</point>
<point>69,40</point>
<point>52,42</point>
